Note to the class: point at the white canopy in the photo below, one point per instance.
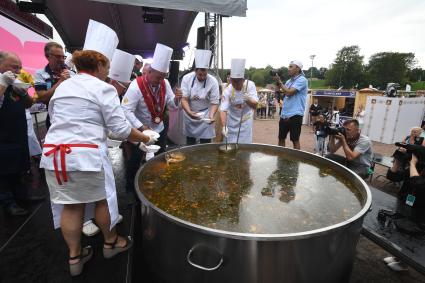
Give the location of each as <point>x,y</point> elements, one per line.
<point>221,7</point>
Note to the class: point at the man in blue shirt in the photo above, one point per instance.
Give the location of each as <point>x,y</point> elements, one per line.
<point>294,99</point>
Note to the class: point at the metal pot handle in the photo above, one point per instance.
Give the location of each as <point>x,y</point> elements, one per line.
<point>200,266</point>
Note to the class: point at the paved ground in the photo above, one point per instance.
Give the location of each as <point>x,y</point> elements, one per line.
<point>368,266</point>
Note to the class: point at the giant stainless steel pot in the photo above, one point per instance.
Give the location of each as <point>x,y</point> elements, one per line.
<point>180,251</point>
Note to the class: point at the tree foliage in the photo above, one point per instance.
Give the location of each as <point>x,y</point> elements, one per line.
<point>386,67</point>
<point>347,69</point>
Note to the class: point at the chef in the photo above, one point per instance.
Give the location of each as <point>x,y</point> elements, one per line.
<point>145,100</point>
<point>238,104</point>
<point>119,77</point>
<point>200,100</point>
<point>120,71</point>
<point>78,171</point>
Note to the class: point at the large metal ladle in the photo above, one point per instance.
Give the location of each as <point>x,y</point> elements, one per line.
<point>232,147</point>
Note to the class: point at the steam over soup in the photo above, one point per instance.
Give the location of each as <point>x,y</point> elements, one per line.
<point>261,191</point>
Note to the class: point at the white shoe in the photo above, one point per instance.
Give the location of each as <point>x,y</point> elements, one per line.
<point>90,229</point>
<point>390,259</point>
<point>120,219</point>
<point>397,266</point>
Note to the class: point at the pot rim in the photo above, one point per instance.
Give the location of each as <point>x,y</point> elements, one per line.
<point>263,237</point>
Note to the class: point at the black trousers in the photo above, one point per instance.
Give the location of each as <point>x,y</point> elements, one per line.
<point>11,189</point>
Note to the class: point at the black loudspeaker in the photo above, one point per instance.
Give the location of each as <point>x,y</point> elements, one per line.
<point>174,73</point>
<point>200,39</point>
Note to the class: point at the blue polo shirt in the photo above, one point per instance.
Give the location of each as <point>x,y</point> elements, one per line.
<point>295,104</point>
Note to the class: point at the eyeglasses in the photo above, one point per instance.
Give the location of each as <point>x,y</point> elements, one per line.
<point>58,56</point>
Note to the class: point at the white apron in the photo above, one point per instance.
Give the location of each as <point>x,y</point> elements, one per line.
<point>33,145</point>
<point>199,101</point>
<point>111,195</point>
<point>238,108</point>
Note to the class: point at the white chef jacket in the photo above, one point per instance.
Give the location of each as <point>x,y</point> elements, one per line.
<point>82,110</point>
<point>201,95</point>
<point>234,105</point>
<point>136,110</point>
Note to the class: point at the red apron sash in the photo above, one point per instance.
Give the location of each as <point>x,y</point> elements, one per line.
<point>157,111</point>
<point>63,150</point>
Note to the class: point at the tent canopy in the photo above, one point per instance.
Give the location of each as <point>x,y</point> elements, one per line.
<point>71,18</point>
<point>222,7</point>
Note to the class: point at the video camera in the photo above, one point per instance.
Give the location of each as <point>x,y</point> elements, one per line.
<point>417,150</point>
<point>332,131</point>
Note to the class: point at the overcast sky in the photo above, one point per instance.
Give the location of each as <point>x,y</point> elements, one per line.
<point>276,31</point>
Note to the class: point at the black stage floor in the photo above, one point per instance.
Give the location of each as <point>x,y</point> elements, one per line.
<point>32,251</point>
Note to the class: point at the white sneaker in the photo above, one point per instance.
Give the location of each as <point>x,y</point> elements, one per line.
<point>397,266</point>
<point>90,229</point>
<point>390,259</point>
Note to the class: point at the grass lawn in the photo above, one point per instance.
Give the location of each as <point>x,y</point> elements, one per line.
<point>317,84</point>
<point>418,85</point>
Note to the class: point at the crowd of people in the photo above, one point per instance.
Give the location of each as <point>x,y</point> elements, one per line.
<point>104,92</point>
<point>100,92</point>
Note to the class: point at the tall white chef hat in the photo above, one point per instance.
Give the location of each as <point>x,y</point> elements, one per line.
<point>237,70</point>
<point>202,58</point>
<point>161,58</point>
<point>101,38</point>
<point>121,66</point>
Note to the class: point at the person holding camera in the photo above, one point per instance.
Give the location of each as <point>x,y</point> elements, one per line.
<point>295,94</point>
<point>357,148</point>
<point>52,75</point>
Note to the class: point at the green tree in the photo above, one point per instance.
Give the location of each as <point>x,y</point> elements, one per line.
<point>309,72</point>
<point>416,75</point>
<point>347,69</point>
<point>386,67</point>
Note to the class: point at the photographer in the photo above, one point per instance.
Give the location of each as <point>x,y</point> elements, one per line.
<point>51,76</point>
<point>413,182</point>
<point>357,148</point>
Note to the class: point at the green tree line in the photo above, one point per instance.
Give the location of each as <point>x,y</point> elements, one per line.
<point>348,70</point>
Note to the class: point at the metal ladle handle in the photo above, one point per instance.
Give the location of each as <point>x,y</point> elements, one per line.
<point>200,266</point>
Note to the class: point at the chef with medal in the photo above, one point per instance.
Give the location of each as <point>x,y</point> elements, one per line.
<point>200,100</point>
<point>146,97</point>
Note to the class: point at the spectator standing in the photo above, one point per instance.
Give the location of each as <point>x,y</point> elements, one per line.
<point>52,75</point>
<point>14,152</point>
<point>294,99</point>
<point>319,131</point>
<point>314,111</point>
<point>335,117</point>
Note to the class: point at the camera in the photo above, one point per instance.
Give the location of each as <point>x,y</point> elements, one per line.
<point>417,150</point>
<point>273,73</point>
<point>332,131</point>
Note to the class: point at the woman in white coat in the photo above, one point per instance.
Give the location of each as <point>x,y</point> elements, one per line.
<point>82,110</point>
<point>237,106</point>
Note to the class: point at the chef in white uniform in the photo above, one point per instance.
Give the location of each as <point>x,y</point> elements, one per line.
<point>238,104</point>
<point>78,171</point>
<point>200,100</point>
<point>120,71</point>
<point>145,100</point>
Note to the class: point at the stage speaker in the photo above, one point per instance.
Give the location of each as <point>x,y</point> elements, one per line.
<point>174,73</point>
